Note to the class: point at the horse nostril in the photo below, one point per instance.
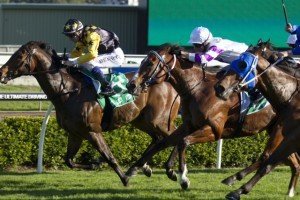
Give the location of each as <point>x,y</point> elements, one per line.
<point>219,89</point>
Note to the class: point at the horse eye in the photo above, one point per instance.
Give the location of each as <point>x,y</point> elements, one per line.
<point>152,58</point>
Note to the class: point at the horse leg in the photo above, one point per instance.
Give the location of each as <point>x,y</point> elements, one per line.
<point>286,148</point>
<point>274,140</point>
<point>171,140</point>
<point>205,134</point>
<point>183,179</point>
<point>97,140</point>
<point>170,163</point>
<point>74,144</point>
<point>272,144</point>
<point>146,168</point>
<point>295,168</point>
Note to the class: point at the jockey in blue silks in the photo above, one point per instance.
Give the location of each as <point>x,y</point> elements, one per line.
<point>295,29</point>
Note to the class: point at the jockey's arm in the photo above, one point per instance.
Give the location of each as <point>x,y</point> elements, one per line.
<point>203,58</point>
<point>77,51</point>
<point>286,53</point>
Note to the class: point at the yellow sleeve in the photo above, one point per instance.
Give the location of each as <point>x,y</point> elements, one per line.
<point>93,40</point>
<point>77,51</point>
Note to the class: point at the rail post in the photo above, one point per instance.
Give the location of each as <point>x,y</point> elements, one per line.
<point>42,138</point>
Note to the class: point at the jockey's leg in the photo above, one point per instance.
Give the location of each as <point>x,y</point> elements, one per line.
<point>105,85</point>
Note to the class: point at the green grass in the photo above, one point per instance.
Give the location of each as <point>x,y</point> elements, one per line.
<point>22,105</point>
<point>105,184</point>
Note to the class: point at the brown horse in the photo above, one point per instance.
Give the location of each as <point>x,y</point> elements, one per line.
<point>205,116</point>
<point>77,110</point>
<point>279,83</point>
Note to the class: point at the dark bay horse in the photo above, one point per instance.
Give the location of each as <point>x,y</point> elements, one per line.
<point>278,79</point>
<point>205,117</point>
<point>77,110</point>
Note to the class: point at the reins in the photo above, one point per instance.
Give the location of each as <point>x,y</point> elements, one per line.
<point>242,84</point>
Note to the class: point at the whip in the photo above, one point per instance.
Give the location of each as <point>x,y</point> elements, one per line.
<point>285,13</point>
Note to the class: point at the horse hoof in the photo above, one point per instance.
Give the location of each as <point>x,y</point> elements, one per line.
<point>147,171</point>
<point>232,196</point>
<point>185,185</point>
<point>229,181</point>
<point>172,175</point>
<point>125,181</point>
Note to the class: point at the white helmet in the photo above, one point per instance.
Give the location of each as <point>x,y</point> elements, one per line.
<point>200,35</point>
<point>292,39</point>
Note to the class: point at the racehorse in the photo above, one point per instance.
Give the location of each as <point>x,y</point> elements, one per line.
<point>278,80</point>
<point>77,109</point>
<point>205,117</point>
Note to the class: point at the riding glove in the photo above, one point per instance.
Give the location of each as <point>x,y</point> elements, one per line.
<point>69,62</point>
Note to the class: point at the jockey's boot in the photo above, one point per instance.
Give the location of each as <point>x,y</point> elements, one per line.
<point>106,88</point>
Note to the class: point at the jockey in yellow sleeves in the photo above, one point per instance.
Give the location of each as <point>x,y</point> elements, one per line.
<point>95,48</point>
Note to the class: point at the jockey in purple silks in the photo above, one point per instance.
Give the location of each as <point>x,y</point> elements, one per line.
<point>212,51</point>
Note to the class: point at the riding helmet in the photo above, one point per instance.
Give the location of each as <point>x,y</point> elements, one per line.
<point>200,35</point>
<point>72,26</point>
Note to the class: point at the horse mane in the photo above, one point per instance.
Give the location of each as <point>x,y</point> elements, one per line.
<point>46,47</point>
<point>170,47</point>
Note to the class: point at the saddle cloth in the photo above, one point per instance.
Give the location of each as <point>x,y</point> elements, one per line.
<point>252,107</point>
<point>118,82</point>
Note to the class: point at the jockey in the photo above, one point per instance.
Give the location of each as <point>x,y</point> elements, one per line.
<point>295,29</point>
<point>291,41</point>
<point>95,48</point>
<point>212,51</point>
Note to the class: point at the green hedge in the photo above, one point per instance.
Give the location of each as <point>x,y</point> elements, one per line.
<point>19,138</point>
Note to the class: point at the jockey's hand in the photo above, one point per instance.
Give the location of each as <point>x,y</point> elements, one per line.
<point>69,63</point>
<point>289,28</point>
<point>176,52</point>
<point>185,54</point>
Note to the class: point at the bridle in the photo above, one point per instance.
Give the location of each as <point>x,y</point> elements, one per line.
<point>27,65</point>
<point>243,82</point>
<point>161,65</point>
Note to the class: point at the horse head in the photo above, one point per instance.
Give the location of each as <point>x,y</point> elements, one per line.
<point>242,73</point>
<point>155,68</point>
<point>30,59</point>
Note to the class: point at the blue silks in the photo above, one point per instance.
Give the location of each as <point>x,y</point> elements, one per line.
<point>244,67</point>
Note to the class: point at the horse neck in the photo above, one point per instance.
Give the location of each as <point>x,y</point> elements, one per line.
<point>53,83</point>
<point>186,81</point>
<point>277,86</point>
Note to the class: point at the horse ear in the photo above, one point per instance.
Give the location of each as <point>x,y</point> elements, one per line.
<point>268,41</point>
<point>259,41</point>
